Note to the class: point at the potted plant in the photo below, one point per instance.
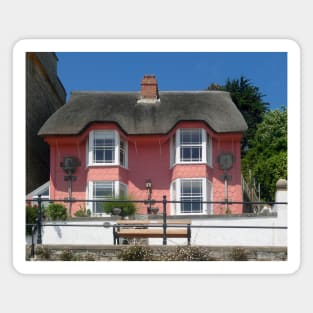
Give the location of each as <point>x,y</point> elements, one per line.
<point>55,212</point>
<point>122,206</point>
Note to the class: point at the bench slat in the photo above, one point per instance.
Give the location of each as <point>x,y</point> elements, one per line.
<point>152,233</point>
<point>140,222</point>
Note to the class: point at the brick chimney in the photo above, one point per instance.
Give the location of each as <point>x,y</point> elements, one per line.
<point>149,88</point>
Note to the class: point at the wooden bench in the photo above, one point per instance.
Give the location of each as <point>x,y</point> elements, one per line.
<point>151,229</point>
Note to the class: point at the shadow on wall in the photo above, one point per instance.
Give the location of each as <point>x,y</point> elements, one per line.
<point>58,231</point>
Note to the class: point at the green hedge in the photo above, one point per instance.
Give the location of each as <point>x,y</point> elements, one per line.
<point>55,211</point>
<point>31,217</point>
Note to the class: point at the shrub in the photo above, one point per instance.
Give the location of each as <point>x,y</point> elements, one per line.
<point>127,206</point>
<point>82,212</point>
<point>181,253</point>
<point>76,257</point>
<point>56,211</point>
<point>136,253</point>
<point>186,253</point>
<point>239,254</point>
<point>66,255</point>
<point>43,252</point>
<point>89,257</point>
<point>31,217</point>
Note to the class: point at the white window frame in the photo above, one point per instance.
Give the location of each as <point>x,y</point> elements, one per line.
<point>173,150</point>
<point>209,150</point>
<point>117,139</point>
<point>207,195</point>
<point>173,197</point>
<point>89,194</point>
<point>125,151</point>
<point>206,148</point>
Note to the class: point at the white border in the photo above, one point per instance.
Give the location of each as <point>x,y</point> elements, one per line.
<point>157,45</point>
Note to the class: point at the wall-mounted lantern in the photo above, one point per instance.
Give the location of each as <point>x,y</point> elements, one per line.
<point>150,209</point>
<point>69,165</point>
<point>149,186</point>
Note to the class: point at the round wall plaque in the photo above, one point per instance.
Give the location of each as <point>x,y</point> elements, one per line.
<point>225,161</point>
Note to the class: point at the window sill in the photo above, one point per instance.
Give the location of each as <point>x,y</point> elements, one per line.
<point>191,163</point>
<point>95,215</point>
<point>103,164</point>
<point>106,165</point>
<point>191,214</point>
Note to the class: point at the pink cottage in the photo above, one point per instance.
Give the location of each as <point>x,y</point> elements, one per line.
<point>184,142</point>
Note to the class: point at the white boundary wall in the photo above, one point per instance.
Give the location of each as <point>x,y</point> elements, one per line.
<point>235,236</point>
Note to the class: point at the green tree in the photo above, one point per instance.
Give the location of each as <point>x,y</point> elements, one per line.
<point>248,100</point>
<point>267,155</point>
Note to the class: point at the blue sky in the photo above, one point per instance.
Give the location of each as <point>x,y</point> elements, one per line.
<point>123,71</point>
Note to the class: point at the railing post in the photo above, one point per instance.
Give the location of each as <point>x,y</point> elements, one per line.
<point>32,251</point>
<point>114,235</point>
<point>188,234</point>
<point>39,220</point>
<point>164,221</point>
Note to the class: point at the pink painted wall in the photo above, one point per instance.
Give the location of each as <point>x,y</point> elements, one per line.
<point>227,143</point>
<point>59,148</point>
<point>148,158</point>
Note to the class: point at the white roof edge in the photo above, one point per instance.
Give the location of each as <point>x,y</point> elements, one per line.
<point>37,190</point>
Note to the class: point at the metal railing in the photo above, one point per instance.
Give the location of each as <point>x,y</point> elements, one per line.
<point>39,223</point>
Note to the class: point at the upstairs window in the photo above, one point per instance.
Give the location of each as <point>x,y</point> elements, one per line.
<point>104,144</point>
<point>191,145</point>
<point>105,147</point>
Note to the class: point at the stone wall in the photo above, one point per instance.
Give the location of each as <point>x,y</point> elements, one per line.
<point>110,253</point>
<point>44,95</point>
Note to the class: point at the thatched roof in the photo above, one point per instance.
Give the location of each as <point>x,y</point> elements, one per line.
<point>135,116</point>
